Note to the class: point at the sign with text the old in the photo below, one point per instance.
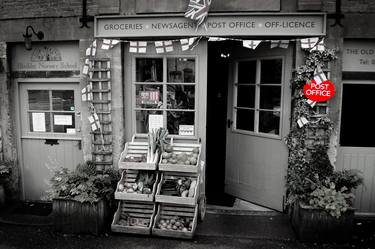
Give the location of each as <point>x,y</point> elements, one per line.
<point>255,24</point>
<point>358,56</point>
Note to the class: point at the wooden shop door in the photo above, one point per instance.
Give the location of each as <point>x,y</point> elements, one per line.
<point>258,120</point>
<point>50,132</point>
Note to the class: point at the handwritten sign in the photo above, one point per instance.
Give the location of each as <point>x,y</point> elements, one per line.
<point>186,130</point>
<point>155,122</point>
<point>285,24</point>
<point>359,56</point>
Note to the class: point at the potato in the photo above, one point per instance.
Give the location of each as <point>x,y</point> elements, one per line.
<point>121,187</point>
<point>187,162</point>
<point>164,161</point>
<point>196,150</point>
<point>166,155</point>
<point>184,229</point>
<point>193,161</point>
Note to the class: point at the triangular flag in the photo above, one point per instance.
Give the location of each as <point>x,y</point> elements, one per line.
<point>94,44</point>
<point>187,44</point>
<point>94,122</point>
<point>86,93</point>
<point>279,43</point>
<point>319,76</point>
<point>137,47</point>
<point>214,39</point>
<point>319,46</point>
<point>302,121</point>
<point>252,44</point>
<point>163,46</point>
<point>309,43</point>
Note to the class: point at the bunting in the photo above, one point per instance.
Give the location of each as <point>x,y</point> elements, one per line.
<point>137,47</point>
<point>319,76</point>
<point>311,103</point>
<point>279,43</point>
<point>187,44</point>
<point>94,122</point>
<point>309,43</point>
<point>87,93</point>
<point>252,44</point>
<point>108,44</point>
<point>198,11</point>
<point>319,46</point>
<point>163,46</point>
<point>302,121</point>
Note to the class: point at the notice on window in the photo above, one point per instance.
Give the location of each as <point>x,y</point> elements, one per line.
<point>70,131</point>
<point>186,130</point>
<point>155,122</point>
<point>39,121</point>
<point>62,119</point>
<point>149,97</point>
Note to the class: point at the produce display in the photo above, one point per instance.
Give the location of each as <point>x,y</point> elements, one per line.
<point>126,220</point>
<point>179,186</point>
<point>142,185</point>
<point>136,159</point>
<point>185,158</point>
<point>176,223</point>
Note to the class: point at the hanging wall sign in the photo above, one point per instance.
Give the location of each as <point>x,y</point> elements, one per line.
<point>319,92</point>
<point>260,24</point>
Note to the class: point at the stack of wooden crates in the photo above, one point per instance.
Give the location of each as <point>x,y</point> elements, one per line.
<point>147,209</point>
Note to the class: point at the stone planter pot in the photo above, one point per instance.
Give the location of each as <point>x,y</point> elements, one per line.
<point>317,225</point>
<point>71,216</point>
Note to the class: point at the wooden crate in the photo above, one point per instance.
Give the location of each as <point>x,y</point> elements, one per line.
<point>134,210</point>
<point>136,149</point>
<point>182,148</point>
<point>168,211</point>
<point>130,176</point>
<point>192,201</point>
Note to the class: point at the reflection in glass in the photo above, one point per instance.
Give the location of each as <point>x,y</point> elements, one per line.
<point>149,96</point>
<point>246,96</point>
<point>269,122</point>
<point>181,70</point>
<point>39,122</point>
<point>245,119</point>
<point>63,100</point>
<point>62,121</point>
<point>270,97</point>
<point>180,97</point>
<point>246,71</point>
<point>38,99</point>
<point>175,119</point>
<point>271,71</point>
<point>149,69</point>
<point>142,120</point>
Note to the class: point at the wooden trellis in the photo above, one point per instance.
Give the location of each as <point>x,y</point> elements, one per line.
<point>100,82</point>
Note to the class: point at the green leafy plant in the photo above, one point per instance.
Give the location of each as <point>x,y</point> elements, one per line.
<point>308,161</point>
<point>5,170</point>
<point>83,184</point>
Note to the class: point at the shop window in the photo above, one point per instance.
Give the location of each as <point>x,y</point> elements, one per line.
<point>165,88</point>
<point>51,111</point>
<point>357,126</point>
<point>258,93</point>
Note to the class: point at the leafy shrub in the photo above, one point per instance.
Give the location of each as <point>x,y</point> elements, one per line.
<point>83,184</point>
<point>5,170</point>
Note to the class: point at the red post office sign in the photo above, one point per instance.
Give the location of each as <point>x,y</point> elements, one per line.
<point>319,92</point>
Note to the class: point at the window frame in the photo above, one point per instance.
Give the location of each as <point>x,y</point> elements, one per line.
<point>165,85</point>
<point>257,108</point>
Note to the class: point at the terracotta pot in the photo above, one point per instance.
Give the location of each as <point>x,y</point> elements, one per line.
<point>317,225</point>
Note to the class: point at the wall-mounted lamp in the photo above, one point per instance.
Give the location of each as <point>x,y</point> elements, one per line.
<point>27,36</point>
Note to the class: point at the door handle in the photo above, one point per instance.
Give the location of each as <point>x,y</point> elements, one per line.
<point>229,123</point>
<point>51,142</point>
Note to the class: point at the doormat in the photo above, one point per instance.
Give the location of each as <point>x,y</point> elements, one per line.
<point>33,208</point>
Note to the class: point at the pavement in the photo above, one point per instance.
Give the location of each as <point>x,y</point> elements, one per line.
<point>221,229</point>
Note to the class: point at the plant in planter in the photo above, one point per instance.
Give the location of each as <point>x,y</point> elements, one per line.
<point>319,197</point>
<point>5,171</point>
<point>82,198</point>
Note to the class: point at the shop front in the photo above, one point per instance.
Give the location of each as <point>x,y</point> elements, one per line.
<point>234,100</point>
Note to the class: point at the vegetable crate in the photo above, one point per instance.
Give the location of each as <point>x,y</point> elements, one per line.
<point>175,221</point>
<point>169,188</point>
<point>181,157</point>
<point>137,155</point>
<point>129,182</point>
<point>134,217</point>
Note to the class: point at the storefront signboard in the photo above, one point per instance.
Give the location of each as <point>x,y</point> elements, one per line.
<point>256,24</point>
<point>359,56</point>
<point>319,92</point>
<point>46,57</point>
